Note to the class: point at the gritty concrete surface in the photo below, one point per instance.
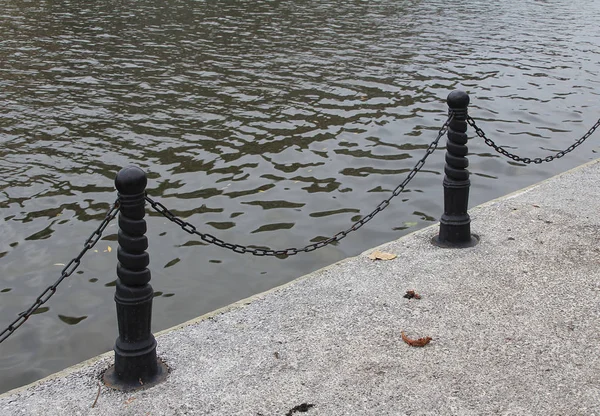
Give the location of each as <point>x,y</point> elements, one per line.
<point>515,323</point>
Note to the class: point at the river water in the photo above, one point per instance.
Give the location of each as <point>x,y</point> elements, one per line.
<point>272,123</point>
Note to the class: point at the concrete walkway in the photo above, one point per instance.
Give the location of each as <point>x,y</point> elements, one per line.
<point>515,323</point>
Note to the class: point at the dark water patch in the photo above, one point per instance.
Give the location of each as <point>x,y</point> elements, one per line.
<point>158,294</point>
<point>370,155</point>
<point>424,216</point>
<point>41,235</point>
<point>366,171</point>
<point>221,225</point>
<point>275,204</point>
<point>334,212</point>
<point>71,320</point>
<point>172,263</point>
<point>238,194</point>
<point>192,243</point>
<point>379,189</point>
<point>42,309</point>
<point>273,227</point>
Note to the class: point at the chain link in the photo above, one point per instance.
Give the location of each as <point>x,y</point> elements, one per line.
<point>67,271</point>
<point>258,251</point>
<point>527,160</point>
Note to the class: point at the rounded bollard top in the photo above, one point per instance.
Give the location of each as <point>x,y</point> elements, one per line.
<point>458,99</point>
<point>131,180</point>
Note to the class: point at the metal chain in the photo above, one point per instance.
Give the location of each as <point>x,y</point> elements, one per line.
<point>191,229</point>
<point>67,271</point>
<point>527,160</point>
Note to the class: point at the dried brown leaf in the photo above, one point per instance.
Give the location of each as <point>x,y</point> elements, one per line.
<point>380,255</point>
<point>421,342</point>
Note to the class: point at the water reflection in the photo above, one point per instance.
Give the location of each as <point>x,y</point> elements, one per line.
<point>267,123</point>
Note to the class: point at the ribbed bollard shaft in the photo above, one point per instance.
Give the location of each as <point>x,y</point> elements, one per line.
<point>455,224</point>
<point>136,364</point>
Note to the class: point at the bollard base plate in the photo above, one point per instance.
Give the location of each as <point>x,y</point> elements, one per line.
<point>447,244</point>
<point>111,380</point>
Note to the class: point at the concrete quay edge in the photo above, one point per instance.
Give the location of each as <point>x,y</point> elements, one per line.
<point>555,207</point>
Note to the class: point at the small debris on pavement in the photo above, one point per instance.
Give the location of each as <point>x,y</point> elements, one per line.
<point>380,255</point>
<point>410,294</point>
<point>128,401</point>
<point>300,408</point>
<point>421,342</point>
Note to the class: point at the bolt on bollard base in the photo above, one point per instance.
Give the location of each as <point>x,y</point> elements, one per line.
<point>136,365</point>
<point>455,224</point>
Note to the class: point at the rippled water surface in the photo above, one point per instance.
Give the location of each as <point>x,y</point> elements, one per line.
<point>273,123</point>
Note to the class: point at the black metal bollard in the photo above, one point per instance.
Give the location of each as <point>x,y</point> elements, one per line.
<point>136,365</point>
<point>455,224</point>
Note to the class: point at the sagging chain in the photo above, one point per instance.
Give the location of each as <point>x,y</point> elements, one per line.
<point>191,229</point>
<point>527,160</point>
<point>67,271</point>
